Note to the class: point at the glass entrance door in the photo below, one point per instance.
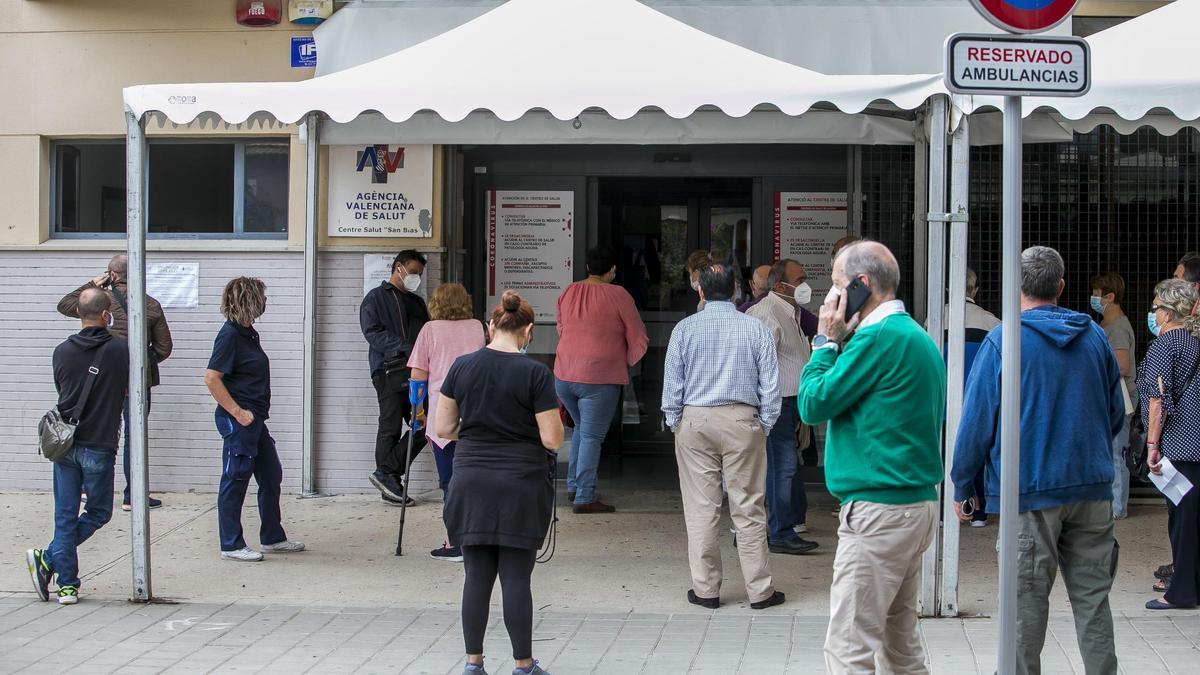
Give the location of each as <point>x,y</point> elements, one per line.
<point>653,225</point>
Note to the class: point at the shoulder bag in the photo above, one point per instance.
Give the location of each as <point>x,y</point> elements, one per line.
<point>56,432</point>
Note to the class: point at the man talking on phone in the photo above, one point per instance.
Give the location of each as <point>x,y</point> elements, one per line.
<point>876,377</point>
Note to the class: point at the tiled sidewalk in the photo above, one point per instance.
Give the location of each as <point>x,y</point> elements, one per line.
<point>109,636</point>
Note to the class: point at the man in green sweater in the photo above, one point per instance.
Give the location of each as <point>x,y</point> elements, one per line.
<point>879,381</point>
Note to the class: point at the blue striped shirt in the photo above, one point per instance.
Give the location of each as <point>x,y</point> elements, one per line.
<point>721,357</point>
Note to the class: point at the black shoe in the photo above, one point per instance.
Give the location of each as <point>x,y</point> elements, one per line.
<point>775,599</point>
<point>39,571</point>
<point>388,486</point>
<point>1164,571</point>
<point>571,497</point>
<point>447,553</point>
<point>396,502</point>
<point>795,546</point>
<point>706,603</point>
<point>151,503</point>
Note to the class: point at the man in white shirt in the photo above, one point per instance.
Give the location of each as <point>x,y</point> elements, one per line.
<point>787,506</point>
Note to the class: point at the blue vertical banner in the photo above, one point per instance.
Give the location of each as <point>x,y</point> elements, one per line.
<point>304,51</point>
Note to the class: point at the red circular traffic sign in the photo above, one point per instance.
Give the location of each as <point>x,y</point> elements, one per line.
<point>1025,16</point>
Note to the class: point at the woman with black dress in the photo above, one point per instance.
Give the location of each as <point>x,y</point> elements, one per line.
<point>1170,392</point>
<point>501,408</point>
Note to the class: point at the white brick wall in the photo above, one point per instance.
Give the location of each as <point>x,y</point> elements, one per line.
<point>184,446</point>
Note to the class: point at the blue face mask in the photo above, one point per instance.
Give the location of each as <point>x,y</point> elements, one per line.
<point>1097,304</point>
<point>1152,323</point>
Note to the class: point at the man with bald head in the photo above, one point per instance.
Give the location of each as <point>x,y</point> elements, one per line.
<point>876,377</point>
<point>91,375</point>
<point>113,284</point>
<point>758,287</point>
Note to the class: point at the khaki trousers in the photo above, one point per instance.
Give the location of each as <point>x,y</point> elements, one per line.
<point>711,443</point>
<point>876,580</point>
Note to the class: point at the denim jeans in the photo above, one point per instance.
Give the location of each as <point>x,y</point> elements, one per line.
<point>125,458</point>
<point>444,457</point>
<point>592,406</point>
<point>782,466</point>
<point>248,451</point>
<point>83,470</point>
<point>1120,485</point>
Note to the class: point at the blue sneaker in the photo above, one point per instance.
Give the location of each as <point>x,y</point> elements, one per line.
<point>474,669</point>
<point>39,571</point>
<point>535,669</point>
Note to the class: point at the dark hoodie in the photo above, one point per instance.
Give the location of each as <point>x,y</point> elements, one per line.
<point>101,420</point>
<point>1071,408</point>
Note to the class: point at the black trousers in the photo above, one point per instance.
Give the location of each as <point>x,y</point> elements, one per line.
<point>1183,522</point>
<point>391,443</point>
<point>514,567</point>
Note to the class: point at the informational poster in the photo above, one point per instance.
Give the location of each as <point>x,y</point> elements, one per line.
<point>174,285</point>
<point>377,268</point>
<point>531,246</point>
<point>806,226</point>
<point>381,190</point>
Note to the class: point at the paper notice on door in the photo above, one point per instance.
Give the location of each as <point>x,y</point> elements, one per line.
<point>1171,483</point>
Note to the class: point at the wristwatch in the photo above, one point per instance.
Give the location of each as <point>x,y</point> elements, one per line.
<point>823,342</point>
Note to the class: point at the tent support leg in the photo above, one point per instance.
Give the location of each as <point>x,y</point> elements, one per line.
<point>936,292</point>
<point>308,448</point>
<point>956,356</point>
<point>136,182</point>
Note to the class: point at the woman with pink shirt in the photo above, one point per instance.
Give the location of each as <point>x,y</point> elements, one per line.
<point>601,336</point>
<point>451,333</point>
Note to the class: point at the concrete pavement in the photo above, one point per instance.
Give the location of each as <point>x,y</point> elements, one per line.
<point>611,600</point>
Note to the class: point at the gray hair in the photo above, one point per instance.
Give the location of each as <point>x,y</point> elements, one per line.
<point>119,264</point>
<point>1178,298</point>
<point>972,280</point>
<point>1042,271</point>
<point>779,272</point>
<point>873,260</point>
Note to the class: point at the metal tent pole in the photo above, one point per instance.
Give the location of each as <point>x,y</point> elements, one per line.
<point>1010,382</point>
<point>960,156</point>
<point>935,218</point>
<point>135,227</point>
<point>308,434</point>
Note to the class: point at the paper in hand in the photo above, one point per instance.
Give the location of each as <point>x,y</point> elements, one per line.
<point>1171,483</point>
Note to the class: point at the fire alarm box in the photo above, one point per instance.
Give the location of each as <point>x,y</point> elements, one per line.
<point>309,12</point>
<point>259,12</point>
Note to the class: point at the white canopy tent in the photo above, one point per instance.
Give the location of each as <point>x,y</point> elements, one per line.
<point>570,71</point>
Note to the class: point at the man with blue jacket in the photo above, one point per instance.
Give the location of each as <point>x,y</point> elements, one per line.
<point>1071,408</point>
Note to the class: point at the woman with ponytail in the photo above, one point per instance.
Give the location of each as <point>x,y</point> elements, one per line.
<point>1170,394</point>
<point>501,409</point>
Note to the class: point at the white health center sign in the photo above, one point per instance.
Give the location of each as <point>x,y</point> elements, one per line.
<point>1006,65</point>
<point>531,246</point>
<point>806,226</point>
<point>381,190</point>
<point>175,285</point>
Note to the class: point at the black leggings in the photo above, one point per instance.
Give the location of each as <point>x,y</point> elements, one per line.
<point>514,566</point>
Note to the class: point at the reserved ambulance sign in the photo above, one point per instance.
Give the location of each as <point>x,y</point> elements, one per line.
<point>1017,65</point>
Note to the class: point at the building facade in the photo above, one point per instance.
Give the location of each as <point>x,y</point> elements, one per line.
<point>228,200</point>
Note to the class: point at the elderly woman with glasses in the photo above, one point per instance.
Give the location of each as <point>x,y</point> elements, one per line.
<point>1170,395</point>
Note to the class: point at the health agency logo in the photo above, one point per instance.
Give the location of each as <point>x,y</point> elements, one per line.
<point>380,162</point>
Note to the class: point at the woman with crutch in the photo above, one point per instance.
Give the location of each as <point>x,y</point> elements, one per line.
<point>501,408</point>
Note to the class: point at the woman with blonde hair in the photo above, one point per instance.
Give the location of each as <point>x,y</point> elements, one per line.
<point>451,333</point>
<point>1170,396</point>
<point>239,379</point>
<point>501,408</point>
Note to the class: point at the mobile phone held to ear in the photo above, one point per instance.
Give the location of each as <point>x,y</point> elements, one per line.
<point>857,294</point>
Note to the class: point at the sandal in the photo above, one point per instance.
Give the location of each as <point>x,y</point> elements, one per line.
<point>1162,586</point>
<point>1163,604</point>
<point>1164,571</point>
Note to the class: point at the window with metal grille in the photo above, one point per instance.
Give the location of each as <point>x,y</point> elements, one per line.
<point>887,209</point>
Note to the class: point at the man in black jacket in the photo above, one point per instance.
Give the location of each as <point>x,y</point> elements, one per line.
<point>391,316</point>
<point>93,366</point>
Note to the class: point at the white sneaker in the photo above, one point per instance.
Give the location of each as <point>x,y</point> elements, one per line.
<point>802,528</point>
<point>978,523</point>
<point>244,554</point>
<point>283,547</point>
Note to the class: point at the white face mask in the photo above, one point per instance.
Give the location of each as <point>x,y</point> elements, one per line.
<point>412,282</point>
<point>802,294</point>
